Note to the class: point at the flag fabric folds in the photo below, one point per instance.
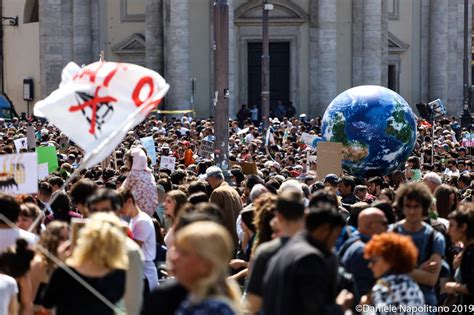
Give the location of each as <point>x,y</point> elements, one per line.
<point>97,105</point>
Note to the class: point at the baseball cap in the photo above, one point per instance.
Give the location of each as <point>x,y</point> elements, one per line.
<point>331,178</point>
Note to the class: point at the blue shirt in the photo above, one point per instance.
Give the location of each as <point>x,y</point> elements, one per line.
<point>353,261</point>
<point>421,240</point>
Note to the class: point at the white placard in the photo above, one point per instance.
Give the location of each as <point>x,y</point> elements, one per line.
<point>206,149</point>
<point>21,143</point>
<point>149,145</point>
<point>19,174</point>
<point>43,170</point>
<point>168,162</point>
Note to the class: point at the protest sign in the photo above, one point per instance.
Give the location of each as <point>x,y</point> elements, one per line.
<point>206,149</point>
<point>168,162</point>
<point>438,108</point>
<point>31,138</point>
<point>310,140</point>
<point>48,155</point>
<point>468,140</point>
<point>149,145</point>
<point>63,144</point>
<point>20,144</point>
<point>43,170</point>
<point>247,167</point>
<point>329,159</point>
<point>20,173</point>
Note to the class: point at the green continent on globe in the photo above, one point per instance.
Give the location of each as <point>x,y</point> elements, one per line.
<point>352,150</point>
<point>397,126</point>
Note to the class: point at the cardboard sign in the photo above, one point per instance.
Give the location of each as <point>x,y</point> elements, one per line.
<point>168,162</point>
<point>247,168</point>
<point>48,155</point>
<point>43,170</point>
<point>63,144</point>
<point>20,144</point>
<point>206,149</point>
<point>20,173</point>
<point>149,145</point>
<point>30,137</point>
<point>329,159</point>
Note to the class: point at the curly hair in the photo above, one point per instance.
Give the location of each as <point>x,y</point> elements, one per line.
<point>396,249</point>
<point>414,191</point>
<point>50,240</point>
<point>264,207</point>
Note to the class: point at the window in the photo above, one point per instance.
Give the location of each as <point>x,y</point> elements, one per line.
<point>31,14</point>
<point>392,82</point>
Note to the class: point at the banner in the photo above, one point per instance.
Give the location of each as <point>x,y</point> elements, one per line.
<point>21,143</point>
<point>168,162</point>
<point>48,155</point>
<point>468,140</point>
<point>97,105</point>
<point>310,140</point>
<point>149,145</point>
<point>206,149</point>
<point>19,173</point>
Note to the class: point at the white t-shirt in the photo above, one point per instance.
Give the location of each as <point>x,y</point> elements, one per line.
<point>8,290</point>
<point>143,230</point>
<point>8,237</point>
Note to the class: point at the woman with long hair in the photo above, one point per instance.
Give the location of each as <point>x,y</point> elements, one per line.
<point>200,262</point>
<point>99,259</point>
<point>461,229</point>
<point>14,265</point>
<point>42,266</point>
<point>446,200</point>
<point>61,208</point>
<point>174,202</point>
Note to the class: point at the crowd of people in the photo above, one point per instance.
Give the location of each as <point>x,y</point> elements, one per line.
<point>131,237</point>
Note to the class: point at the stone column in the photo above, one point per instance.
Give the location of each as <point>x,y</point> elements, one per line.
<point>424,51</point>
<point>357,41</point>
<point>95,43</point>
<point>372,37</point>
<point>154,35</point>
<point>177,66</point>
<point>82,31</point>
<point>51,49</point>
<point>314,105</point>
<point>233,107</point>
<point>438,64</point>
<point>66,26</point>
<point>327,60</point>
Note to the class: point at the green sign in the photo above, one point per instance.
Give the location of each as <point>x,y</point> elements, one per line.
<point>48,155</point>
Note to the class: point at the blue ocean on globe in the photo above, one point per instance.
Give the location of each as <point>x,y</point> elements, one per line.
<point>376,127</point>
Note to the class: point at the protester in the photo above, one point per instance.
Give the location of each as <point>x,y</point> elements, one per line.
<point>141,181</point>
<point>371,221</point>
<point>415,201</point>
<point>42,267</point>
<point>100,260</point>
<point>292,282</point>
<point>461,229</point>
<point>392,259</point>
<point>202,251</point>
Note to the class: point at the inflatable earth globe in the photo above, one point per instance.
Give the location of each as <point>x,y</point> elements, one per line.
<point>376,127</point>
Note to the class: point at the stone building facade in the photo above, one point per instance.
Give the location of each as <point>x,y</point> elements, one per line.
<point>319,48</point>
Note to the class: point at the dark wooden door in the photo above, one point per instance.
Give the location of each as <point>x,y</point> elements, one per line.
<point>279,73</point>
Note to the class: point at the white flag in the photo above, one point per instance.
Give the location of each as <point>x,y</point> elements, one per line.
<point>97,105</point>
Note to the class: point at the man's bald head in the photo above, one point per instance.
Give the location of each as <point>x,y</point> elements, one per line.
<point>372,221</point>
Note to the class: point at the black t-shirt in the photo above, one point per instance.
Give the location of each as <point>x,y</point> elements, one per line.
<point>69,297</point>
<point>165,299</point>
<point>259,264</point>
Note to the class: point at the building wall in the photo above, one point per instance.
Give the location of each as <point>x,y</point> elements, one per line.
<point>344,45</point>
<point>21,55</point>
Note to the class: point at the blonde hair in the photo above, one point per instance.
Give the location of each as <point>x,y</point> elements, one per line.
<point>213,243</point>
<point>102,242</point>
